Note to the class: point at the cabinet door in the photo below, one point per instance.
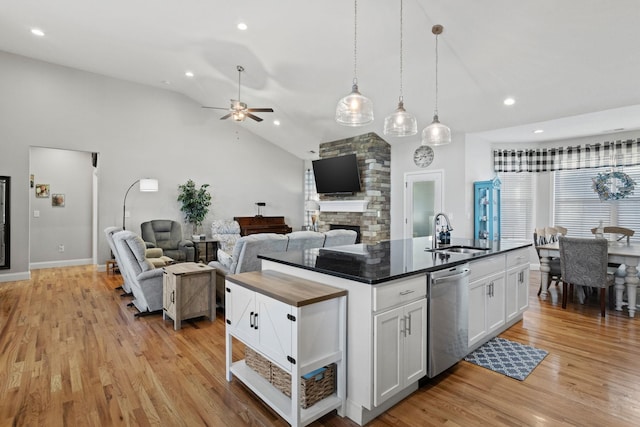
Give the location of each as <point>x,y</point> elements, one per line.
<point>477,311</point>
<point>387,377</point>
<point>274,327</point>
<point>240,310</point>
<point>512,293</point>
<point>415,341</point>
<point>169,294</point>
<point>495,302</point>
<point>523,289</point>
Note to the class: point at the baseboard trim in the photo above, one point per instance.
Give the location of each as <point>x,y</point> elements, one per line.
<point>14,277</point>
<point>65,263</point>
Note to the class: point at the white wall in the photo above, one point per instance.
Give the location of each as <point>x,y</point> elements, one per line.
<point>138,131</point>
<point>458,187</point>
<point>70,173</point>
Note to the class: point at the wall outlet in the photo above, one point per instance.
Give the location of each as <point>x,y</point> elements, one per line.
<point>60,248</point>
<point>36,214</point>
<point>127,214</point>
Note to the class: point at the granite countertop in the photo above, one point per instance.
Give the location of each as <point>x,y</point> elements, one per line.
<point>385,261</point>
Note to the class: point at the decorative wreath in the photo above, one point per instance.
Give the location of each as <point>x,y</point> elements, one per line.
<point>602,185</point>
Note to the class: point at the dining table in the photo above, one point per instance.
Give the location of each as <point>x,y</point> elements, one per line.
<point>619,253</point>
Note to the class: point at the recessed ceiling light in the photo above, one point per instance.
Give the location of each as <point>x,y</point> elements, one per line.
<point>189,73</point>
<point>276,122</point>
<point>242,26</point>
<point>538,131</point>
<point>37,32</point>
<point>509,101</point>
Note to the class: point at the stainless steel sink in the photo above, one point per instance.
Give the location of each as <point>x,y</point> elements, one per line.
<point>470,250</point>
<point>465,250</point>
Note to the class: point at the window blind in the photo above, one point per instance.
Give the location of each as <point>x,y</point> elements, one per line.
<point>517,207</point>
<point>578,208</point>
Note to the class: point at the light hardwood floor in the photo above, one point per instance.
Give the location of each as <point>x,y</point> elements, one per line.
<point>72,354</point>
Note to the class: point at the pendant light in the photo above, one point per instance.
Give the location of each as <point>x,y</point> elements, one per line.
<point>436,133</point>
<point>354,109</point>
<point>400,123</point>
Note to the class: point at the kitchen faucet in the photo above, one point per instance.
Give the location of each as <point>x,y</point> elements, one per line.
<point>434,242</point>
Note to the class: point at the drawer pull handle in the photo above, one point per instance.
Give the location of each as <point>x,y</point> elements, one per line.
<point>173,296</point>
<point>251,324</point>
<point>407,292</point>
<point>255,321</point>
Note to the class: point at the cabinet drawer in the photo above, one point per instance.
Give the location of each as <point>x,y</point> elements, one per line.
<point>486,266</point>
<point>518,257</point>
<point>400,292</point>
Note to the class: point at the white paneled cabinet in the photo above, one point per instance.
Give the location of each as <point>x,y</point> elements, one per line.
<point>498,294</point>
<point>296,324</point>
<point>400,348</point>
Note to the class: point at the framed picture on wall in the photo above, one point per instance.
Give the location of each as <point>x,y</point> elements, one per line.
<point>42,190</point>
<point>57,200</point>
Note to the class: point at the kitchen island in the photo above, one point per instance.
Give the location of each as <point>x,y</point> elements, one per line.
<point>387,306</point>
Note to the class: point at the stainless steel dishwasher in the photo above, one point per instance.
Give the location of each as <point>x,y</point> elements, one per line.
<point>448,318</point>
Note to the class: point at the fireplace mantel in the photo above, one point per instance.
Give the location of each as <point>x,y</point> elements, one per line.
<point>343,205</point>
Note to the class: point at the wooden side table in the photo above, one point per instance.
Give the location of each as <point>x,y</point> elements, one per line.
<point>111,265</point>
<point>188,292</point>
<point>210,250</point>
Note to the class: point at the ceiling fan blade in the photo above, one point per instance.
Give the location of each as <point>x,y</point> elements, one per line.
<point>215,108</point>
<point>261,110</point>
<point>226,116</point>
<point>256,118</point>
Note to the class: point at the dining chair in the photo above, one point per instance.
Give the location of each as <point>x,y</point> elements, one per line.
<point>583,262</point>
<point>543,236</point>
<point>619,233</point>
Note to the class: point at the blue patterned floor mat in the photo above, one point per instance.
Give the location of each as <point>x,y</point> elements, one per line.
<point>509,358</point>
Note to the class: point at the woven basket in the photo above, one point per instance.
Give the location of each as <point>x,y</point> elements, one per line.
<point>258,363</point>
<point>312,389</point>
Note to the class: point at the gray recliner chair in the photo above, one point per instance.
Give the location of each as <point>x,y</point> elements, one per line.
<point>109,232</point>
<point>166,234</point>
<point>144,279</point>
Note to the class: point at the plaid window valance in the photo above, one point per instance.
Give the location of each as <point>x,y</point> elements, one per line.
<point>618,153</point>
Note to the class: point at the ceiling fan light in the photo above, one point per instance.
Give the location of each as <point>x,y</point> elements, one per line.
<point>436,133</point>
<point>354,109</point>
<point>238,116</point>
<point>400,123</point>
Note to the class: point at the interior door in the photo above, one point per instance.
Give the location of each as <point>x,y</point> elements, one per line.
<point>423,200</point>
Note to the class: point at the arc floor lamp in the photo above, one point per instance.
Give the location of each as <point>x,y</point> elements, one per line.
<point>146,185</point>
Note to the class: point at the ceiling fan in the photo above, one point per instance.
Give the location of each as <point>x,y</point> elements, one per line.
<point>238,110</point>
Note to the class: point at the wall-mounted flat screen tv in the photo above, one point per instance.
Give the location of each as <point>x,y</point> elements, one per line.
<point>336,175</point>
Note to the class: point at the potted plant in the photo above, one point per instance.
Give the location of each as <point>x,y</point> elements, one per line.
<point>195,204</point>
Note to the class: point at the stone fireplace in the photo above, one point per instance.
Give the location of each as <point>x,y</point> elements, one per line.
<point>369,209</point>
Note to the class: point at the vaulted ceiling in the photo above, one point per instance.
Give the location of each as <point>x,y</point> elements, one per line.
<point>572,66</point>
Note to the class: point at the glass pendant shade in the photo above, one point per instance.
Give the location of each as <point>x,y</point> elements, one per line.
<point>354,109</point>
<point>400,123</point>
<point>436,133</point>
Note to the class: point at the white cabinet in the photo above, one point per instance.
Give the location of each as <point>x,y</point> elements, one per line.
<point>400,348</point>
<point>486,298</point>
<point>261,321</point>
<point>498,294</point>
<point>296,324</point>
<point>517,277</point>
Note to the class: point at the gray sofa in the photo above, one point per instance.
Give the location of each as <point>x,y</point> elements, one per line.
<point>246,250</point>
